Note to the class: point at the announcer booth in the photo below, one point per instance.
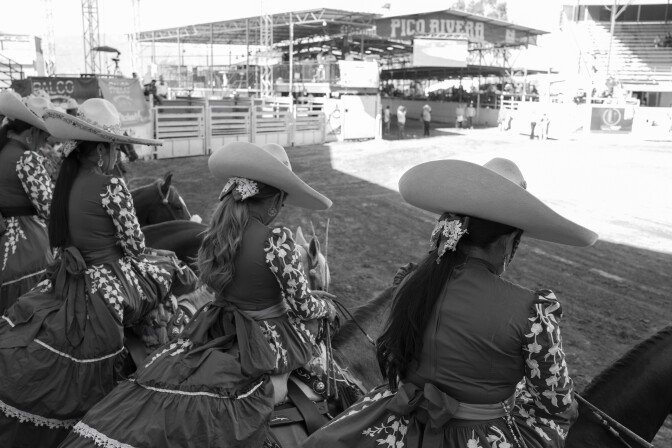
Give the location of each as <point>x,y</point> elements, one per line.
<point>453,45</point>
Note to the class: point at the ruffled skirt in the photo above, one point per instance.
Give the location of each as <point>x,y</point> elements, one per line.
<point>210,388</point>
<point>24,255</point>
<point>61,344</point>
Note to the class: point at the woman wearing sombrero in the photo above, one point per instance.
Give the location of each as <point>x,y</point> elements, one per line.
<point>472,360</point>
<point>217,384</point>
<point>25,196</point>
<point>62,343</point>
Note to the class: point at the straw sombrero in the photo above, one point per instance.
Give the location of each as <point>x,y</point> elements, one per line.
<point>495,191</point>
<point>268,164</point>
<point>29,109</point>
<point>97,120</point>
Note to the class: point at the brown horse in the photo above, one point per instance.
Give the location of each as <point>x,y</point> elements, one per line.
<point>159,202</point>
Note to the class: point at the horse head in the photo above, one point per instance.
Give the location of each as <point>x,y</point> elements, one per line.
<point>314,262</point>
<point>158,202</point>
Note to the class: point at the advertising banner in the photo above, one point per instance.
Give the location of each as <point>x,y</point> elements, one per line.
<point>359,74</point>
<point>127,96</point>
<point>440,52</point>
<point>59,89</point>
<point>612,119</point>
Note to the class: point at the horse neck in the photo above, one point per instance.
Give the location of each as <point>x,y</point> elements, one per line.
<point>370,316</point>
<point>636,390</point>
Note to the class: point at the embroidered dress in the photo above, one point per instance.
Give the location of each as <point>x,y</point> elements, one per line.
<point>61,343</point>
<point>25,198</point>
<point>211,388</point>
<point>490,346</point>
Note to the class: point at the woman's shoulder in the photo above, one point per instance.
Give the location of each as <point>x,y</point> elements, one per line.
<point>529,297</point>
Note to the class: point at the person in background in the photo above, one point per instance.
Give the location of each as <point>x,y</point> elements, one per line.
<point>471,114</point>
<point>25,196</point>
<point>217,385</point>
<point>426,116</point>
<point>62,343</point>
<point>162,89</point>
<point>472,359</point>
<point>401,121</point>
<point>386,119</point>
<point>459,116</point>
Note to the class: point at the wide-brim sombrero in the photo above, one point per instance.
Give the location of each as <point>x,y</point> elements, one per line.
<point>97,120</point>
<point>495,192</point>
<point>243,159</point>
<point>29,110</point>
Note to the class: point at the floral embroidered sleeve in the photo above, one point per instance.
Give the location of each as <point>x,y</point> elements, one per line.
<point>282,257</point>
<point>36,182</point>
<point>547,379</point>
<point>118,203</point>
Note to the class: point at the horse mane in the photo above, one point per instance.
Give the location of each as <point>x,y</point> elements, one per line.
<point>362,313</point>
<point>626,360</point>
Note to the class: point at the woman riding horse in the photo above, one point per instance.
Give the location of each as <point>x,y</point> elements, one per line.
<point>62,343</point>
<point>25,196</point>
<point>217,384</point>
<point>460,338</point>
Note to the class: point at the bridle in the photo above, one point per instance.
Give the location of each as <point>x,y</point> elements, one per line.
<point>165,200</point>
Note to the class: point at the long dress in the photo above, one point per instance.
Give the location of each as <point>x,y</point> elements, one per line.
<point>61,344</point>
<point>211,387</point>
<point>490,346</point>
<point>25,198</point>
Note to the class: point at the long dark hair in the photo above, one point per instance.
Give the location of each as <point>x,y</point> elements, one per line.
<point>401,341</point>
<point>59,225</point>
<point>221,243</point>
<point>17,126</point>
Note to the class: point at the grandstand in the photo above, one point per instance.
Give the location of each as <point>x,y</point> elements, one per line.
<point>636,55</point>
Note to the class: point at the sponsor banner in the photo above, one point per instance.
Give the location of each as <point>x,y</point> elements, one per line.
<point>612,119</point>
<point>440,52</point>
<point>359,74</point>
<point>59,89</point>
<point>406,27</point>
<point>128,98</point>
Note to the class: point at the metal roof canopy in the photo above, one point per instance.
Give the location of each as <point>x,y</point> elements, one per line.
<point>246,31</point>
<point>471,71</point>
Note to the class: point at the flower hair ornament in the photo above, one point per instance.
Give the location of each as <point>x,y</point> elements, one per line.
<point>240,187</point>
<point>447,233</point>
<point>68,147</point>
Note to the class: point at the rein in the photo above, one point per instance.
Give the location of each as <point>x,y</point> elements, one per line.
<point>165,201</point>
<point>612,425</point>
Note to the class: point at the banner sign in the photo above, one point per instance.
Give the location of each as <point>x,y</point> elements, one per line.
<point>359,74</point>
<point>612,119</point>
<point>405,27</point>
<point>440,52</point>
<point>127,96</point>
<point>60,90</point>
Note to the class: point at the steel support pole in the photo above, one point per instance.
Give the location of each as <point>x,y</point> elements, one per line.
<point>291,56</point>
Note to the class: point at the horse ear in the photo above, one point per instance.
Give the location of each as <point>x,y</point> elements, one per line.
<point>300,239</point>
<point>314,248</point>
<point>165,187</point>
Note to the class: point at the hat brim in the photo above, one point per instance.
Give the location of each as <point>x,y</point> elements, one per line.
<point>66,126</point>
<point>469,189</point>
<point>13,107</point>
<point>248,160</point>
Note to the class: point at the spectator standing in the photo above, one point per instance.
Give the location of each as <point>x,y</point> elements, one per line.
<point>162,89</point>
<point>386,119</point>
<point>459,112</point>
<point>426,116</point>
<point>471,114</point>
<point>401,120</point>
<point>543,127</point>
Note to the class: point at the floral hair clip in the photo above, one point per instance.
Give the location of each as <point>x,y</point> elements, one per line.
<point>245,188</point>
<point>449,229</point>
<point>68,147</point>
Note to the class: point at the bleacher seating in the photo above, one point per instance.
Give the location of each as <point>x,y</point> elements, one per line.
<point>634,57</point>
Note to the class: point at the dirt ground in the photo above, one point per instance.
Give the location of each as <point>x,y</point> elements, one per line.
<point>614,294</point>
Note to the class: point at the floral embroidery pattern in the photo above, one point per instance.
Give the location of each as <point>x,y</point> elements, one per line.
<point>392,431</point>
<point>36,181</point>
<point>177,347</point>
<point>104,280</point>
<point>13,236</point>
<point>118,203</point>
<point>275,342</point>
<point>283,259</point>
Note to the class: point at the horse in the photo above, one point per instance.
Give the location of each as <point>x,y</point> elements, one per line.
<point>182,237</point>
<point>635,391</point>
<point>158,202</point>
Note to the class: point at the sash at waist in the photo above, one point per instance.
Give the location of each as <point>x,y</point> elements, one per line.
<point>107,254</point>
<point>273,311</point>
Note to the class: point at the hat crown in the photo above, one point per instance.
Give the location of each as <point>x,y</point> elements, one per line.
<point>38,104</point>
<point>99,112</point>
<point>508,170</point>
<point>278,152</point>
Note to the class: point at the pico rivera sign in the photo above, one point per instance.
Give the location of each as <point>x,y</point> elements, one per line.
<point>445,23</point>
